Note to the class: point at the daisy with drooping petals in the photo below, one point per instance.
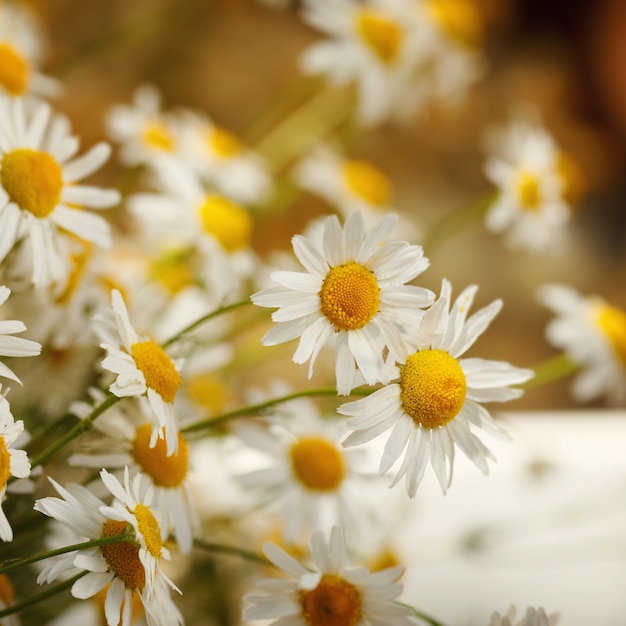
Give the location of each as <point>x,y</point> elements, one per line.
<point>333,594</point>
<point>534,180</point>
<point>532,617</point>
<point>142,368</point>
<point>39,190</point>
<point>435,402</point>
<point>125,442</point>
<point>13,346</point>
<point>129,568</point>
<point>353,292</point>
<point>13,462</point>
<point>592,333</point>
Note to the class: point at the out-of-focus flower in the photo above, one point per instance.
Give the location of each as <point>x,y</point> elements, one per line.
<point>353,292</point>
<point>532,617</point>
<point>592,333</point>
<point>436,402</point>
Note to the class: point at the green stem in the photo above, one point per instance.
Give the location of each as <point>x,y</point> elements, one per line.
<point>52,591</point>
<point>11,564</point>
<point>255,409</point>
<point>423,616</point>
<point>81,427</point>
<point>554,368</point>
<point>205,318</point>
<point>244,554</point>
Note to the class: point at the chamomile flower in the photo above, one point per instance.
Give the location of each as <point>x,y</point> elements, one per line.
<point>13,462</point>
<point>145,132</point>
<point>592,333</point>
<point>531,176</point>
<point>304,471</point>
<point>39,191</point>
<point>435,402</point>
<point>332,594</point>
<point>143,369</point>
<point>353,293</point>
<point>13,346</point>
<point>20,53</point>
<point>532,617</point>
<point>125,442</point>
<point>129,568</point>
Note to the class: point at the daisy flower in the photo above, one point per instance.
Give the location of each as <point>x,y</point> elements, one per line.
<point>125,442</point>
<point>13,346</point>
<point>353,291</point>
<point>435,402</point>
<point>40,198</point>
<point>20,53</point>
<point>532,178</point>
<point>129,568</point>
<point>304,470</point>
<point>532,617</point>
<point>145,133</point>
<point>143,369</point>
<point>332,594</point>
<point>592,333</point>
<point>13,462</point>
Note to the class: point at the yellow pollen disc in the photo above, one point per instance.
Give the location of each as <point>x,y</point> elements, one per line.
<point>349,296</point>
<point>573,177</point>
<point>432,388</point>
<point>157,368</point>
<point>384,559</point>
<point>367,182</point>
<point>380,33</point>
<point>228,222</point>
<point>460,19</point>
<point>612,322</point>
<point>165,471</point>
<point>5,463</point>
<point>156,135</point>
<point>173,271</point>
<point>123,558</point>
<point>32,179</point>
<point>207,391</point>
<point>334,602</point>
<point>13,70</point>
<point>224,143</point>
<point>317,464</point>
<point>78,263</point>
<point>528,191</point>
<point>6,590</point>
<point>149,529</point>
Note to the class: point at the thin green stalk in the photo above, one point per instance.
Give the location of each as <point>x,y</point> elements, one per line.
<point>11,564</point>
<point>234,550</point>
<point>423,616</point>
<point>255,409</point>
<point>40,597</point>
<point>81,427</point>
<point>554,368</point>
<point>205,318</point>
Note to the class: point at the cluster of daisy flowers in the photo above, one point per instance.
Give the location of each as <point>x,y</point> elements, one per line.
<point>128,328</point>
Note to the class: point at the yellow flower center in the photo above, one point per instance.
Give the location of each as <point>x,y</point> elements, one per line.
<point>6,590</point>
<point>334,602</point>
<point>367,182</point>
<point>460,20</point>
<point>349,296</point>
<point>384,559</point>
<point>157,368</point>
<point>149,529</point>
<point>165,471</point>
<point>224,143</point>
<point>5,463</point>
<point>208,391</point>
<point>156,135</point>
<point>228,222</point>
<point>123,558</point>
<point>317,464</point>
<point>78,263</point>
<point>528,191</point>
<point>13,70</point>
<point>32,179</point>
<point>573,177</point>
<point>612,322</point>
<point>173,271</point>
<point>432,388</point>
<point>380,33</point>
